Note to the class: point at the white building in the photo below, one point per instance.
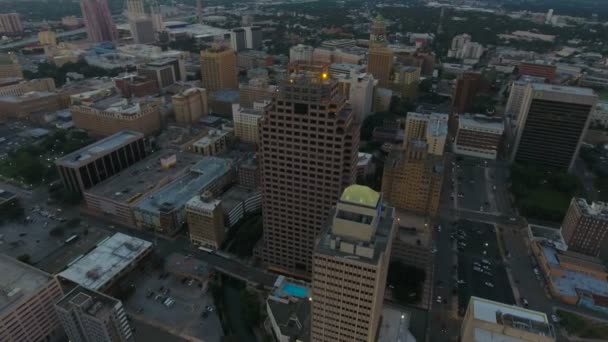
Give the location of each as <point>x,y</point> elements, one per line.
<point>457,43</point>
<point>516,95</point>
<point>361,94</point>
<point>301,53</point>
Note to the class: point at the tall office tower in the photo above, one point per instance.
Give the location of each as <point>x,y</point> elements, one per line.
<point>301,53</point>
<point>26,303</point>
<point>467,86</point>
<point>380,57</point>
<point>432,128</point>
<point>88,316</point>
<point>238,39</point>
<point>405,82</point>
<point>361,94</point>
<point>10,24</point>
<point>309,139</point>
<point>486,320</point>
<point>98,21</point>
<point>458,42</point>
<point>350,267</point>
<point>219,69</point>
<point>585,226</point>
<point>552,124</point>
<point>135,8</point>
<point>142,30</point>
<point>205,218</point>
<point>253,37</point>
<point>9,66</point>
<point>412,179</point>
<point>190,105</point>
<point>246,123</point>
<point>517,93</point>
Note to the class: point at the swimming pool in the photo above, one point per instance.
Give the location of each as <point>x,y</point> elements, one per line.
<point>294,290</point>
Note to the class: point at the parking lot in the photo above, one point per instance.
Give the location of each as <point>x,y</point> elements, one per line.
<point>481,271</point>
<point>190,314</point>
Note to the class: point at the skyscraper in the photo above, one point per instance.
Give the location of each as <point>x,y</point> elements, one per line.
<point>467,86</point>
<point>205,219</point>
<point>412,179</point>
<point>88,315</point>
<point>238,39</point>
<point>98,21</point>
<point>142,30</point>
<point>552,124</point>
<point>309,140</point>
<point>585,226</point>
<point>10,23</point>
<point>218,68</point>
<point>253,37</point>
<point>350,267</point>
<point>380,57</point>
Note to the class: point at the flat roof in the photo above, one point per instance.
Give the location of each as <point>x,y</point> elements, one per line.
<point>144,176</point>
<point>481,121</point>
<point>570,281</point>
<point>109,258</point>
<point>485,310</point>
<point>19,281</point>
<point>235,195</point>
<point>93,303</point>
<point>563,89</point>
<point>98,148</point>
<point>360,194</point>
<point>180,191</point>
<point>395,325</point>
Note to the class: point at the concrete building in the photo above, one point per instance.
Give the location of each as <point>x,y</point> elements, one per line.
<point>248,173</point>
<point>142,30</point>
<point>30,106</point>
<point>546,71</point>
<point>291,225</point>
<point>84,168</point>
<point>10,24</point>
<point>89,316</point>
<point>219,69</point>
<point>395,325</point>
<point>405,82</point>
<point>351,258</point>
<point>594,78</point>
<point>108,113</point>
<point>458,42</point>
<point>47,38</point>
<point>253,37</point>
<point>361,95</point>
<point>205,220</point>
<point>479,136</point>
<point>246,123</point>
<point>467,86</point>
<point>190,105</point>
<point>552,124</point>
<point>164,71</point>
<point>288,310</point>
<point>380,57</point>
<point>257,89</point>
<point>237,39</point>
<point>9,66</point>
<point>382,99</point>
<point>412,179</point>
<point>239,201</point>
<point>98,21</point>
<point>432,128</point>
<point>486,320</point>
<point>599,117</point>
<point>27,296</point>
<point>164,211</point>
<point>215,142</point>
<point>301,53</point>
<point>115,198</point>
<point>517,94</point>
<point>110,260</point>
<point>132,85</point>
<point>251,59</point>
<point>585,226</point>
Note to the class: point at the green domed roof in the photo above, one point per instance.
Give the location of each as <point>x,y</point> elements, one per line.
<point>359,194</point>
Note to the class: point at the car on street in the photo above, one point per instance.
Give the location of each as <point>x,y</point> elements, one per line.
<point>439,299</point>
<point>554,318</point>
<point>488,284</point>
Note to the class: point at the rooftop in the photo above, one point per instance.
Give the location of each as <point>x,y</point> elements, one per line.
<point>180,191</point>
<point>360,194</point>
<point>364,158</point>
<point>93,303</point>
<point>27,96</point>
<point>481,121</point>
<point>147,175</point>
<point>394,326</point>
<point>438,125</point>
<point>548,234</point>
<point>291,312</point>
<point>19,281</point>
<point>110,257</point>
<point>597,210</point>
<point>99,148</point>
<point>563,89</point>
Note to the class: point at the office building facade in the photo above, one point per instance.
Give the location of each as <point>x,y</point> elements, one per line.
<point>479,136</point>
<point>142,30</point>
<point>98,21</point>
<point>10,24</point>
<point>253,37</point>
<point>467,86</point>
<point>350,268</point>
<point>405,82</point>
<point>432,128</point>
<point>380,57</point>
<point>246,123</point>
<point>205,219</point>
<point>585,226</point>
<point>552,124</point>
<point>219,69</point>
<point>309,140</point>
<point>9,66</point>
<point>301,53</point>
<point>88,315</point>
<point>517,94</point>
<point>191,105</point>
<point>238,40</point>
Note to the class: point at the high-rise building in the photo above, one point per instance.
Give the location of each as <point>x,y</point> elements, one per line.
<point>205,219</point>
<point>486,320</point>
<point>301,53</point>
<point>517,93</point>
<point>380,57</point>
<point>164,71</point>
<point>585,226</point>
<point>88,316</point>
<point>253,37</point>
<point>98,21</point>
<point>479,136</point>
<point>309,139</point>
<point>432,128</point>
<point>361,94</point>
<point>246,123</point>
<point>218,69</point>
<point>9,66</point>
<point>467,86</point>
<point>350,267</point>
<point>238,39</point>
<point>26,303</point>
<point>190,105</point>
<point>412,179</point>
<point>47,38</point>
<point>552,124</point>
<point>142,30</point>
<point>135,8</point>
<point>458,42</point>
<point>10,24</point>
<point>405,82</point>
